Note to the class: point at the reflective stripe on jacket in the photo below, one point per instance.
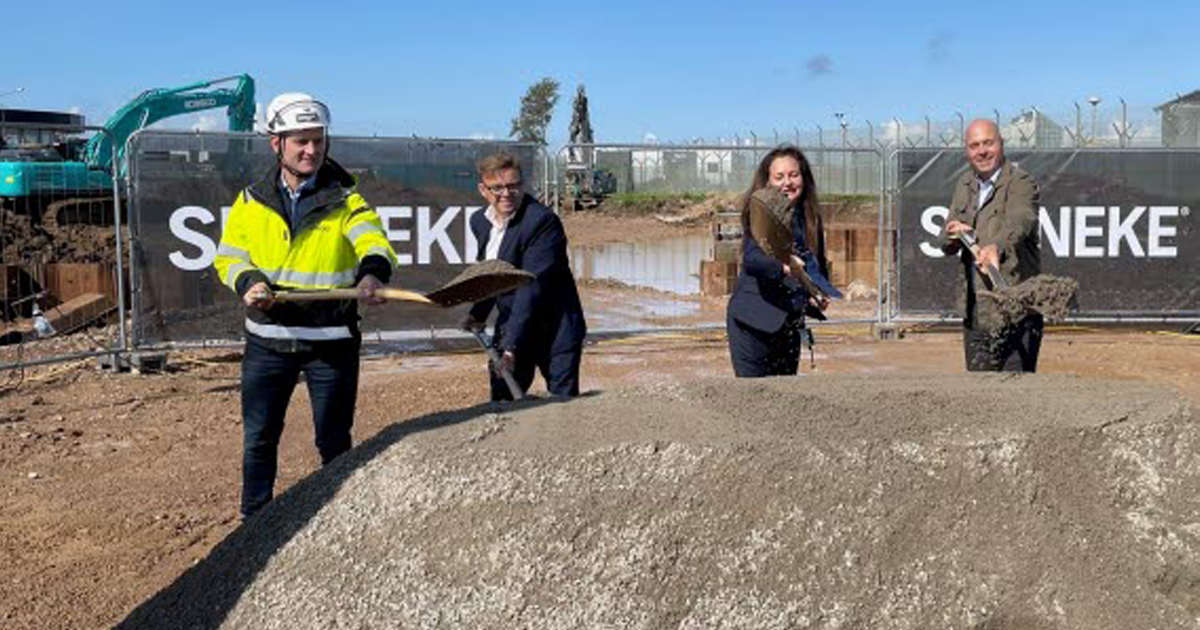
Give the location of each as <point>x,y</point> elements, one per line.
<point>337,239</point>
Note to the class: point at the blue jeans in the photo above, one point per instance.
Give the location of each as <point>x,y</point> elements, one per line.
<point>268,379</point>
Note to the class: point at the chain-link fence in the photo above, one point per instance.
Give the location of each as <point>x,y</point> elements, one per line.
<point>63,247</point>
<point>697,168</point>
<point>1091,124</point>
<point>69,268</point>
<point>63,244</point>
<point>683,279</point>
<point>425,191</point>
<point>1118,221</point>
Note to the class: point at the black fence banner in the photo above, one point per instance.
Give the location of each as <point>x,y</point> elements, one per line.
<point>1119,221</point>
<point>182,186</point>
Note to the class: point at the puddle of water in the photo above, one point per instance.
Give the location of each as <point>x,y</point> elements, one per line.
<point>671,264</point>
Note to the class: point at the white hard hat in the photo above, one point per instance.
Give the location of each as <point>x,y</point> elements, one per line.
<point>294,111</point>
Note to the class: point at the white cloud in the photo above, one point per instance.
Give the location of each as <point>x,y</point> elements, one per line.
<point>260,118</point>
<point>891,130</point>
<point>482,136</point>
<point>207,122</point>
<point>649,138</point>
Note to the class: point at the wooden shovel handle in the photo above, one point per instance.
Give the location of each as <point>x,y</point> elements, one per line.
<point>350,294</point>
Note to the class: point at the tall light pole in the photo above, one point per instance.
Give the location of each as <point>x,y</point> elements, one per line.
<point>1079,126</point>
<point>841,116</point>
<point>1094,100</point>
<point>1124,124</point>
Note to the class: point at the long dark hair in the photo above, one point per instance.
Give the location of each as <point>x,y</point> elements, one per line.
<point>814,228</point>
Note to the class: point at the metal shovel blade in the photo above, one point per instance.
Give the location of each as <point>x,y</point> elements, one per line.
<point>479,281</point>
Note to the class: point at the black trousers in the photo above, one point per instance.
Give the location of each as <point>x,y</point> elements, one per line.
<point>561,371</point>
<point>756,353</point>
<point>1015,349</point>
<point>268,380</point>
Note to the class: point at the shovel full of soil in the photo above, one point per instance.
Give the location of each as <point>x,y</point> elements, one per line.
<point>479,281</point>
<point>1051,296</point>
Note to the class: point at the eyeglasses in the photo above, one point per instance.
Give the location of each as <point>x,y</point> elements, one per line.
<point>500,189</point>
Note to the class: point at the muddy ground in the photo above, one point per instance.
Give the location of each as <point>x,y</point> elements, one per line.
<point>113,485</point>
<point>655,218</point>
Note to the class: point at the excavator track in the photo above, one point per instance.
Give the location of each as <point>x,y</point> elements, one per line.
<point>84,211</point>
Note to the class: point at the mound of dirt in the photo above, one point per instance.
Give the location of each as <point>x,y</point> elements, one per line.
<point>699,209</point>
<point>24,241</point>
<point>969,501</point>
<point>685,210</point>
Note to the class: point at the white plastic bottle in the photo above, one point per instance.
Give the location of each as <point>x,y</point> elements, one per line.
<point>41,325</point>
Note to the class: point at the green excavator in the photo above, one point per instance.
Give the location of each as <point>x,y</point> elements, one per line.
<point>34,183</point>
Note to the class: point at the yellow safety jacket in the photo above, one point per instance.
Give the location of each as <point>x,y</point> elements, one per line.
<point>337,238</point>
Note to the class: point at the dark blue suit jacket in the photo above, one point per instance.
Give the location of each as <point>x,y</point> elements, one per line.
<point>764,298</point>
<point>544,315</point>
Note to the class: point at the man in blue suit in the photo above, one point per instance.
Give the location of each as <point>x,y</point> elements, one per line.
<point>539,325</point>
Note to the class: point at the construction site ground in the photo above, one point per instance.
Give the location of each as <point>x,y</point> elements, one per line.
<point>114,484</point>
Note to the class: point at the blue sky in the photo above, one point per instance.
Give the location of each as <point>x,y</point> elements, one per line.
<point>676,70</point>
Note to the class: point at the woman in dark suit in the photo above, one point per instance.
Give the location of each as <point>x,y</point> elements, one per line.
<point>765,317</point>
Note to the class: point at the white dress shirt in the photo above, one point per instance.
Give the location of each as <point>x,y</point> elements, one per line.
<point>499,226</point>
<point>986,186</point>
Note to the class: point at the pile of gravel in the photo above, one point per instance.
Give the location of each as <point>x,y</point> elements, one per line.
<point>971,501</point>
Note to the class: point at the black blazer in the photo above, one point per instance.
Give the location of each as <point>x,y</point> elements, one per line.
<point>764,298</point>
<point>544,314</point>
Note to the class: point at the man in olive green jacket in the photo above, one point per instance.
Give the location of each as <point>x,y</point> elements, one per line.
<point>998,203</point>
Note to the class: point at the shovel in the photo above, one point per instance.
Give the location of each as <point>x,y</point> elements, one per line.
<point>494,359</point>
<point>1052,296</point>
<point>770,216</point>
<point>479,281</point>
<point>992,273</point>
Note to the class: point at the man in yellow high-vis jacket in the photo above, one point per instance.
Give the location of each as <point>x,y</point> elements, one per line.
<point>303,226</point>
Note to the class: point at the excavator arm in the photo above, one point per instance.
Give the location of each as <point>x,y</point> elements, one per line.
<point>155,105</point>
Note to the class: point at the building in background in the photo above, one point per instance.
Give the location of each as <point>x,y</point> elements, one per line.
<point>34,128</point>
<point>1181,121</point>
<point>1034,130</point>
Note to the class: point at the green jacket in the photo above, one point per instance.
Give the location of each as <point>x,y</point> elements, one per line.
<point>1008,219</point>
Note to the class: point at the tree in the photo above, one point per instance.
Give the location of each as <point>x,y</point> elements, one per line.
<point>537,106</point>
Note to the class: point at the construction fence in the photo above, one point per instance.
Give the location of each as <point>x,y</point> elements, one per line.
<point>1118,220</point>
<point>64,245</point>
